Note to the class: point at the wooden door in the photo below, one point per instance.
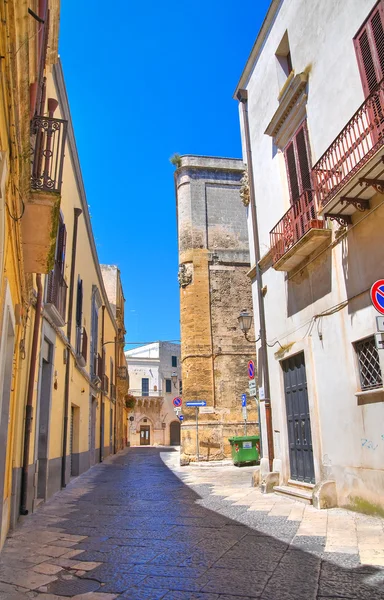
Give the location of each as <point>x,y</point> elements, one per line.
<point>298,419</point>
<point>145,435</point>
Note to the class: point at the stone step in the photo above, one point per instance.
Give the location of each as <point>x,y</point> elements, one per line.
<point>296,492</point>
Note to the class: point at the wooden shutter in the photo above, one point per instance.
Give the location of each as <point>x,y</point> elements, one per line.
<point>298,164</point>
<point>369,47</point>
<point>79,303</point>
<point>61,245</point>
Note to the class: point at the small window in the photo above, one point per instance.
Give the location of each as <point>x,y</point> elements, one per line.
<point>369,47</point>
<point>174,361</point>
<point>369,364</point>
<point>283,60</point>
<point>145,386</point>
<point>168,386</point>
<point>180,387</point>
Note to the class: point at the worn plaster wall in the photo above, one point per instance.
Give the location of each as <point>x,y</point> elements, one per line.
<point>214,288</point>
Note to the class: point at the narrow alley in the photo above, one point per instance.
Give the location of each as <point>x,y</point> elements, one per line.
<point>139,527</point>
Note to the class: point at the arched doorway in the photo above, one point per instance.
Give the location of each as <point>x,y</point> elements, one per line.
<point>174,433</point>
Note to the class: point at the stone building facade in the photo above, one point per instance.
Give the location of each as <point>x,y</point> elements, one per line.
<point>154,380</point>
<point>214,288</point>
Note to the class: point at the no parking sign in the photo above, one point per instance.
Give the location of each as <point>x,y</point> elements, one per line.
<point>377,295</point>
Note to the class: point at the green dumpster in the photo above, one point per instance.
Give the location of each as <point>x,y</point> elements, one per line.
<point>245,449</point>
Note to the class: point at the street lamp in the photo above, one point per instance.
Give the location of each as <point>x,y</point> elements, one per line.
<point>245,322</point>
<point>174,378</point>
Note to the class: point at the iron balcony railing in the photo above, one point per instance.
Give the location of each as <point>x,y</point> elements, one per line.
<point>48,137</point>
<point>296,222</point>
<point>57,290</point>
<point>360,139</point>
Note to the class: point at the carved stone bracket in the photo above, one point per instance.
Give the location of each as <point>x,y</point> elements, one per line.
<point>359,204</point>
<point>244,190</point>
<point>377,184</point>
<point>185,275</point>
<point>342,220</point>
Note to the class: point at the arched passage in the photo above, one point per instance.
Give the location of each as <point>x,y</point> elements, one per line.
<point>174,433</point>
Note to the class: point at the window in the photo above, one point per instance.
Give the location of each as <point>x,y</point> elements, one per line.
<point>174,361</point>
<point>298,163</point>
<point>369,47</point>
<point>180,387</point>
<point>145,386</point>
<point>79,314</point>
<point>283,60</point>
<point>168,386</point>
<point>369,364</point>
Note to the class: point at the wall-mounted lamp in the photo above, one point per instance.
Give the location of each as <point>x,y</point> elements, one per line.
<point>245,322</point>
<point>174,378</point>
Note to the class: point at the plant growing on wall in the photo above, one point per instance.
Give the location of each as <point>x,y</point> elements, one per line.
<point>130,401</point>
<point>175,160</point>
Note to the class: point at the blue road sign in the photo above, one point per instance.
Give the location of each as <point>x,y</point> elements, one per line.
<point>181,417</point>
<point>196,403</point>
<point>177,402</point>
<point>243,399</point>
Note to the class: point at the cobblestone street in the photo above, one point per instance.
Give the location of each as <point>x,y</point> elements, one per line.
<point>137,527</point>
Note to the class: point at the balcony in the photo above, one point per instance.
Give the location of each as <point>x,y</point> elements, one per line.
<point>56,296</point>
<point>351,171</point>
<point>40,219</point>
<point>298,233</point>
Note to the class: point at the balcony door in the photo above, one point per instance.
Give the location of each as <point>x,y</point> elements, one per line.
<point>369,47</point>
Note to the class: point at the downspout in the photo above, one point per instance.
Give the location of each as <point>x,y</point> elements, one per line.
<point>102,388</point>
<point>77,213</point>
<point>242,96</point>
<point>29,404</point>
<point>116,404</point>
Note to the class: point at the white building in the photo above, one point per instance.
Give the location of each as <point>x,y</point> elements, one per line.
<point>155,380</point>
<point>312,103</point>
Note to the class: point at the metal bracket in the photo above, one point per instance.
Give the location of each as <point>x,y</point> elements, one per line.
<point>377,184</point>
<point>342,220</point>
<point>359,204</point>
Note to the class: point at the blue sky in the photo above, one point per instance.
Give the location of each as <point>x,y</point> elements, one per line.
<point>146,80</point>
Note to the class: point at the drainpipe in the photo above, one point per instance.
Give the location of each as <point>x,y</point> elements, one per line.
<point>242,96</point>
<point>77,213</point>
<point>102,388</point>
<point>29,405</point>
<point>116,404</point>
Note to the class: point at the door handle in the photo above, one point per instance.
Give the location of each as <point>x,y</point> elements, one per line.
<point>297,432</point>
<point>303,433</point>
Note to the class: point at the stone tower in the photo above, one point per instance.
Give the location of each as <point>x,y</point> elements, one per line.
<point>214,288</point>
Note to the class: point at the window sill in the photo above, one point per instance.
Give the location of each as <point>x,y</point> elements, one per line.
<point>370,396</point>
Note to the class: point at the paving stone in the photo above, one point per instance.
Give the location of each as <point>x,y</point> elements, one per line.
<point>47,569</point>
<point>26,579</point>
<point>73,587</point>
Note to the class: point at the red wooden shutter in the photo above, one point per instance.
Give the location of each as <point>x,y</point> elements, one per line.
<point>298,164</point>
<point>369,47</point>
<point>293,180</point>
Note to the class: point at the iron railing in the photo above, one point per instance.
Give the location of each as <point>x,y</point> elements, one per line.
<point>299,218</point>
<point>354,146</point>
<point>57,290</point>
<point>48,137</point>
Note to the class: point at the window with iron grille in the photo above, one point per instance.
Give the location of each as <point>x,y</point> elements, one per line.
<point>369,364</point>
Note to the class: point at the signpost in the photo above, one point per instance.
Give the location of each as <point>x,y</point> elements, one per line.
<point>377,295</point>
<point>252,387</point>
<point>196,404</point>
<point>181,417</point>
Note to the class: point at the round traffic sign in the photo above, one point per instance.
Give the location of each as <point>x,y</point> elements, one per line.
<point>251,369</point>
<point>177,401</point>
<point>377,295</point>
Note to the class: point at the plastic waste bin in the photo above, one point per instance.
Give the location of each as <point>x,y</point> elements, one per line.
<point>245,449</point>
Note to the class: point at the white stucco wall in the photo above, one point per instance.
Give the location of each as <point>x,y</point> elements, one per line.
<point>154,361</point>
<point>321,43</point>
